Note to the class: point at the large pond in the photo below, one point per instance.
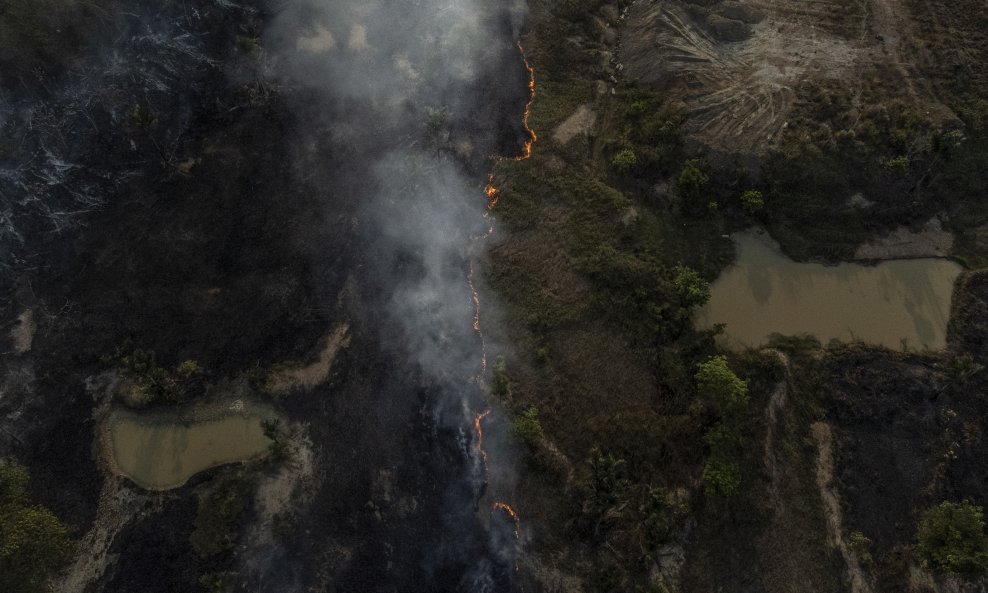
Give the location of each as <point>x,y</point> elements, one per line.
<point>160,450</point>
<point>902,303</point>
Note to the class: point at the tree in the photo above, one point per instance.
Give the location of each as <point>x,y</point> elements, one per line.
<point>718,383</point>
<point>951,538</point>
<point>527,428</point>
<point>692,181</point>
<point>500,385</point>
<point>722,473</point>
<point>33,542</point>
<point>604,486</point>
<point>690,287</point>
<point>752,201</point>
<point>659,518</point>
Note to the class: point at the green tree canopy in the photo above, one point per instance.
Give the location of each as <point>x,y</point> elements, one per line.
<point>951,538</point>
<point>718,383</point>
<point>527,428</point>
<point>691,288</point>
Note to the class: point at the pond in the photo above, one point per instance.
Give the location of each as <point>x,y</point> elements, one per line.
<point>901,303</point>
<point>162,449</point>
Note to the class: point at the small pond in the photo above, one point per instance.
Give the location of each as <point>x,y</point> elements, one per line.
<point>162,449</point>
<point>893,304</point>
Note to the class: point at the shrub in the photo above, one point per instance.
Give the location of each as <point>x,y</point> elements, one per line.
<point>659,518</point>
<point>898,163</point>
<point>951,538</point>
<point>279,442</point>
<point>722,473</point>
<point>860,546</point>
<point>752,201</point>
<point>33,542</point>
<point>499,380</point>
<point>625,161</point>
<point>692,181</point>
<point>605,485</point>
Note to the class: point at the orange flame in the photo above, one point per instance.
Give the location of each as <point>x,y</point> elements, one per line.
<point>493,194</point>
<point>510,512</point>
<point>506,509</point>
<point>532,137</point>
<point>478,429</point>
<point>476,320</point>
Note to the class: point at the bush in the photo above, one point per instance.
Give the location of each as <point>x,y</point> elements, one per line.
<point>722,473</point>
<point>625,161</point>
<point>951,539</point>
<point>659,518</point>
<point>605,486</point>
<point>33,542</point>
<point>721,477</point>
<point>718,383</point>
<point>752,201</point>
<point>860,546</point>
<point>499,380</point>
<point>527,428</point>
<point>279,441</point>
<point>692,181</point>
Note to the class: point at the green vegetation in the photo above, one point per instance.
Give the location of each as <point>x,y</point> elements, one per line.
<point>860,546</point>
<point>692,182</point>
<point>660,518</point>
<point>219,582</point>
<point>718,384</point>
<point>752,201</point>
<point>142,120</point>
<point>951,539</point>
<point>691,288</point>
<point>605,486</point>
<point>33,542</point>
<point>625,161</point>
<point>154,384</point>
<point>279,441</point>
<point>499,379</point>
<point>222,502</point>
<point>961,368</point>
<point>527,429</point>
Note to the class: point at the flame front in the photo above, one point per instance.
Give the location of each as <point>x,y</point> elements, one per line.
<point>532,137</point>
<point>492,194</point>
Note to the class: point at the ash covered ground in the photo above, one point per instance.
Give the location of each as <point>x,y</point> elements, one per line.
<point>227,183</point>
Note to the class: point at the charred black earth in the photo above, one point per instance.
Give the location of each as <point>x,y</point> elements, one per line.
<point>173,191</point>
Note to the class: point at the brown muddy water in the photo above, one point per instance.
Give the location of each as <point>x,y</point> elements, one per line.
<point>161,450</point>
<point>902,303</point>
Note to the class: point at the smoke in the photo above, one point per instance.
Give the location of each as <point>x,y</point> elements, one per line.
<point>405,104</point>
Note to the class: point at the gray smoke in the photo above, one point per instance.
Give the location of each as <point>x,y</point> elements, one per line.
<point>403,103</point>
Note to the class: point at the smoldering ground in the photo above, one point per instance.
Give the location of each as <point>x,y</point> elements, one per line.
<point>206,194</point>
<point>402,107</point>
